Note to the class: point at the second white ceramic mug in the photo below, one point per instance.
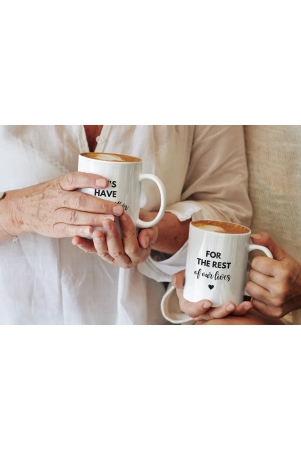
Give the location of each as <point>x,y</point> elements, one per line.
<point>217,258</point>
<point>124,174</point>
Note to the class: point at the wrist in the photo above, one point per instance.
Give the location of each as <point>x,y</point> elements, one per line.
<point>9,227</point>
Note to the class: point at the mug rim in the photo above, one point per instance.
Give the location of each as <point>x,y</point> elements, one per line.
<point>221,222</point>
<point>135,159</point>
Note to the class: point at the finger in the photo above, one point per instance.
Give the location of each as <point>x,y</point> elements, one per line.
<point>74,217</point>
<point>65,230</point>
<point>147,237</point>
<point>128,229</point>
<point>256,291</point>
<point>178,279</point>
<point>77,180</point>
<point>194,310</point>
<point>84,244</point>
<point>100,246</point>
<point>221,311</point>
<point>242,308</point>
<point>131,243</point>
<point>262,280</point>
<point>267,241</point>
<point>115,245</point>
<point>85,202</point>
<point>266,266</point>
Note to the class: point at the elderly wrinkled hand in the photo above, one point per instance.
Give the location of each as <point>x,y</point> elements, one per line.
<point>126,251</point>
<point>56,208</point>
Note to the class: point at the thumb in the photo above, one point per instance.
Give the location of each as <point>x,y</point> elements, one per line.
<point>148,237</point>
<point>267,241</point>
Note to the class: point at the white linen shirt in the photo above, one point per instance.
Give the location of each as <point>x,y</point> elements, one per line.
<point>50,281</point>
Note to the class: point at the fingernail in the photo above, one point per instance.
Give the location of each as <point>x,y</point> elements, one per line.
<point>206,305</point>
<point>101,182</point>
<point>112,218</point>
<point>230,308</point>
<point>87,231</point>
<point>256,236</point>
<point>118,210</point>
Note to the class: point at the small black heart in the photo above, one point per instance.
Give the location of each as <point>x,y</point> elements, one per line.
<point>210,286</point>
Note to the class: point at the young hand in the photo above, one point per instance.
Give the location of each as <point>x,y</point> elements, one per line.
<point>56,208</point>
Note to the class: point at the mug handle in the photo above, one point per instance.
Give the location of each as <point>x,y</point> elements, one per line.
<point>142,223</point>
<point>264,250</point>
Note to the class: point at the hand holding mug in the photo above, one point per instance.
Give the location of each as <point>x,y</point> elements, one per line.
<point>274,284</point>
<point>125,252</point>
<point>216,265</point>
<point>56,208</point>
<point>202,311</point>
<point>117,242</point>
<point>124,175</point>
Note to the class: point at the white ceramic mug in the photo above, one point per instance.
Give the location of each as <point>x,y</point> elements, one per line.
<point>124,174</point>
<point>217,258</point>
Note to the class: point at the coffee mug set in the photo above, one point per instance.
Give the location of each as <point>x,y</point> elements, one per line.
<point>217,255</point>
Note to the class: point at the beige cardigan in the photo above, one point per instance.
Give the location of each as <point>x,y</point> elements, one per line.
<point>274,162</point>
